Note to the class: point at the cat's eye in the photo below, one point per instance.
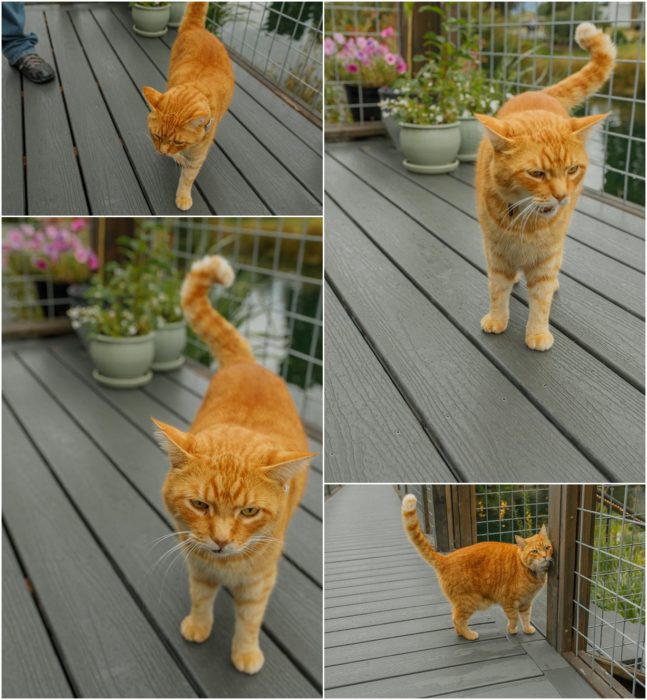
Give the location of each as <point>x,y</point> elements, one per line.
<point>539,174</point>
<point>573,169</point>
<point>179,143</point>
<point>249,512</point>
<point>200,505</point>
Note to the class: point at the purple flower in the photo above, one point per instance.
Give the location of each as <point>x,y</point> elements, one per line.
<point>52,251</point>
<point>329,46</point>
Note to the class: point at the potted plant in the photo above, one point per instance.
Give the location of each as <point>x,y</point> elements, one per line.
<point>55,253</point>
<point>427,112</point>
<point>365,64</point>
<point>476,95</point>
<point>177,12</point>
<point>150,19</point>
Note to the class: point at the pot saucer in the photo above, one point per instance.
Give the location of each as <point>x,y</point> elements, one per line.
<point>150,35</point>
<point>114,383</point>
<point>168,366</point>
<point>430,169</point>
<point>468,158</point>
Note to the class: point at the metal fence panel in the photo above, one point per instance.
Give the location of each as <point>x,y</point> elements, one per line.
<point>280,40</point>
<point>506,510</point>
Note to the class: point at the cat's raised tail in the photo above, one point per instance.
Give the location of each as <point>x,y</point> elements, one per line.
<point>415,533</point>
<point>224,341</point>
<point>577,87</point>
<point>195,16</point>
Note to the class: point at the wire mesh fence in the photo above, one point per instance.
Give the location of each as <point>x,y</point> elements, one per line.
<point>280,40</point>
<point>349,99</point>
<point>609,599</point>
<point>506,510</point>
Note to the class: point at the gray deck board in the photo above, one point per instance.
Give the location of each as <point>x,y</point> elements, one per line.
<point>76,426</point>
<point>404,256</point>
<point>412,650</point>
<point>26,647</point>
<point>87,150</point>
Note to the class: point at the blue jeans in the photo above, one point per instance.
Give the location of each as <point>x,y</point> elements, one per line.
<point>15,43</point>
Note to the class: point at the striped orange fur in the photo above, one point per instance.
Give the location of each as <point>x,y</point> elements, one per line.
<point>529,174</point>
<point>183,120</point>
<point>476,577</point>
<point>236,476</point>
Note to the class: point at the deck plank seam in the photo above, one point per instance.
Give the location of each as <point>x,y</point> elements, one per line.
<point>605,471</point>
<point>40,609</point>
<point>23,127</point>
<point>112,117</point>
<point>565,331</point>
<point>397,384</point>
<point>161,515</point>
<point>166,643</point>
<point>474,218</point>
<point>77,158</point>
<point>217,144</point>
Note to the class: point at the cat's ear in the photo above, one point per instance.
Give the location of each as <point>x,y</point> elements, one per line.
<point>174,442</point>
<point>152,96</point>
<point>285,465</point>
<point>543,531</point>
<point>521,543</point>
<point>495,130</point>
<point>582,125</point>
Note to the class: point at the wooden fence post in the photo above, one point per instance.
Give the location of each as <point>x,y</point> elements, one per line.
<point>440,517</point>
<point>462,510</point>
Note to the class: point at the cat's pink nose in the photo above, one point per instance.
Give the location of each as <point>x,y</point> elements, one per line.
<point>221,544</point>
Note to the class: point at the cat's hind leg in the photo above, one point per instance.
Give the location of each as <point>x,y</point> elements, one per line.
<point>461,613</point>
<point>250,600</point>
<point>524,614</point>
<point>196,626</point>
<point>501,278</point>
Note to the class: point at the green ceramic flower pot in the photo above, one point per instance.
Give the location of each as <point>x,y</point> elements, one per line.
<point>472,132</point>
<point>177,12</point>
<point>150,21</point>
<point>122,363</point>
<point>430,149</point>
<point>170,341</point>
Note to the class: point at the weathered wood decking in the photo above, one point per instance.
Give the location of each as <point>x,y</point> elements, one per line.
<point>416,392</point>
<point>86,611</point>
<point>388,629</point>
<point>79,145</point>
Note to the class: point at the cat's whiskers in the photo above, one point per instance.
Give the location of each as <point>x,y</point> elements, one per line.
<point>157,540</point>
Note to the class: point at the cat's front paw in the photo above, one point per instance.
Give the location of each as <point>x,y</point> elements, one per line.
<point>194,631</point>
<point>511,629</point>
<point>540,341</point>
<point>248,661</point>
<point>529,629</point>
<point>183,201</point>
<point>491,324</point>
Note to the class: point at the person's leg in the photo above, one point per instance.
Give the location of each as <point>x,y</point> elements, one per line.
<point>20,48</point>
<point>15,43</point>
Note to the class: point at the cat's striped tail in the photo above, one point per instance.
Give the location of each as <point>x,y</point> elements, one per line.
<point>577,87</point>
<point>195,16</point>
<point>224,341</point>
<point>414,531</point>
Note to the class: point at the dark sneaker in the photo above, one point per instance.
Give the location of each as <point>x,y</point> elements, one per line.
<point>34,68</point>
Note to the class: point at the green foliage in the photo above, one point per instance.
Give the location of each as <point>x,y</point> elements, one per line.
<point>506,510</point>
<point>582,12</point>
<point>291,18</point>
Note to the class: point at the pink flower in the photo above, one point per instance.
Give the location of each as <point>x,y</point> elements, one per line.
<point>27,229</point>
<point>93,261</point>
<point>51,232</point>
<point>51,250</point>
<point>387,32</point>
<point>401,67</point>
<point>39,263</point>
<point>14,239</point>
<point>390,59</point>
<point>339,38</point>
<point>329,46</point>
<point>352,67</point>
<point>77,225</point>
<point>361,42</point>
<point>82,255</point>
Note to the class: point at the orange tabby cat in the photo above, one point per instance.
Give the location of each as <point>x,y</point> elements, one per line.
<point>476,577</point>
<point>236,476</point>
<point>529,174</point>
<point>200,87</point>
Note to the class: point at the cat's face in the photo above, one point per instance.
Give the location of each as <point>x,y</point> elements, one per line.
<point>536,552</point>
<point>179,118</point>
<point>539,160</point>
<point>228,504</point>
